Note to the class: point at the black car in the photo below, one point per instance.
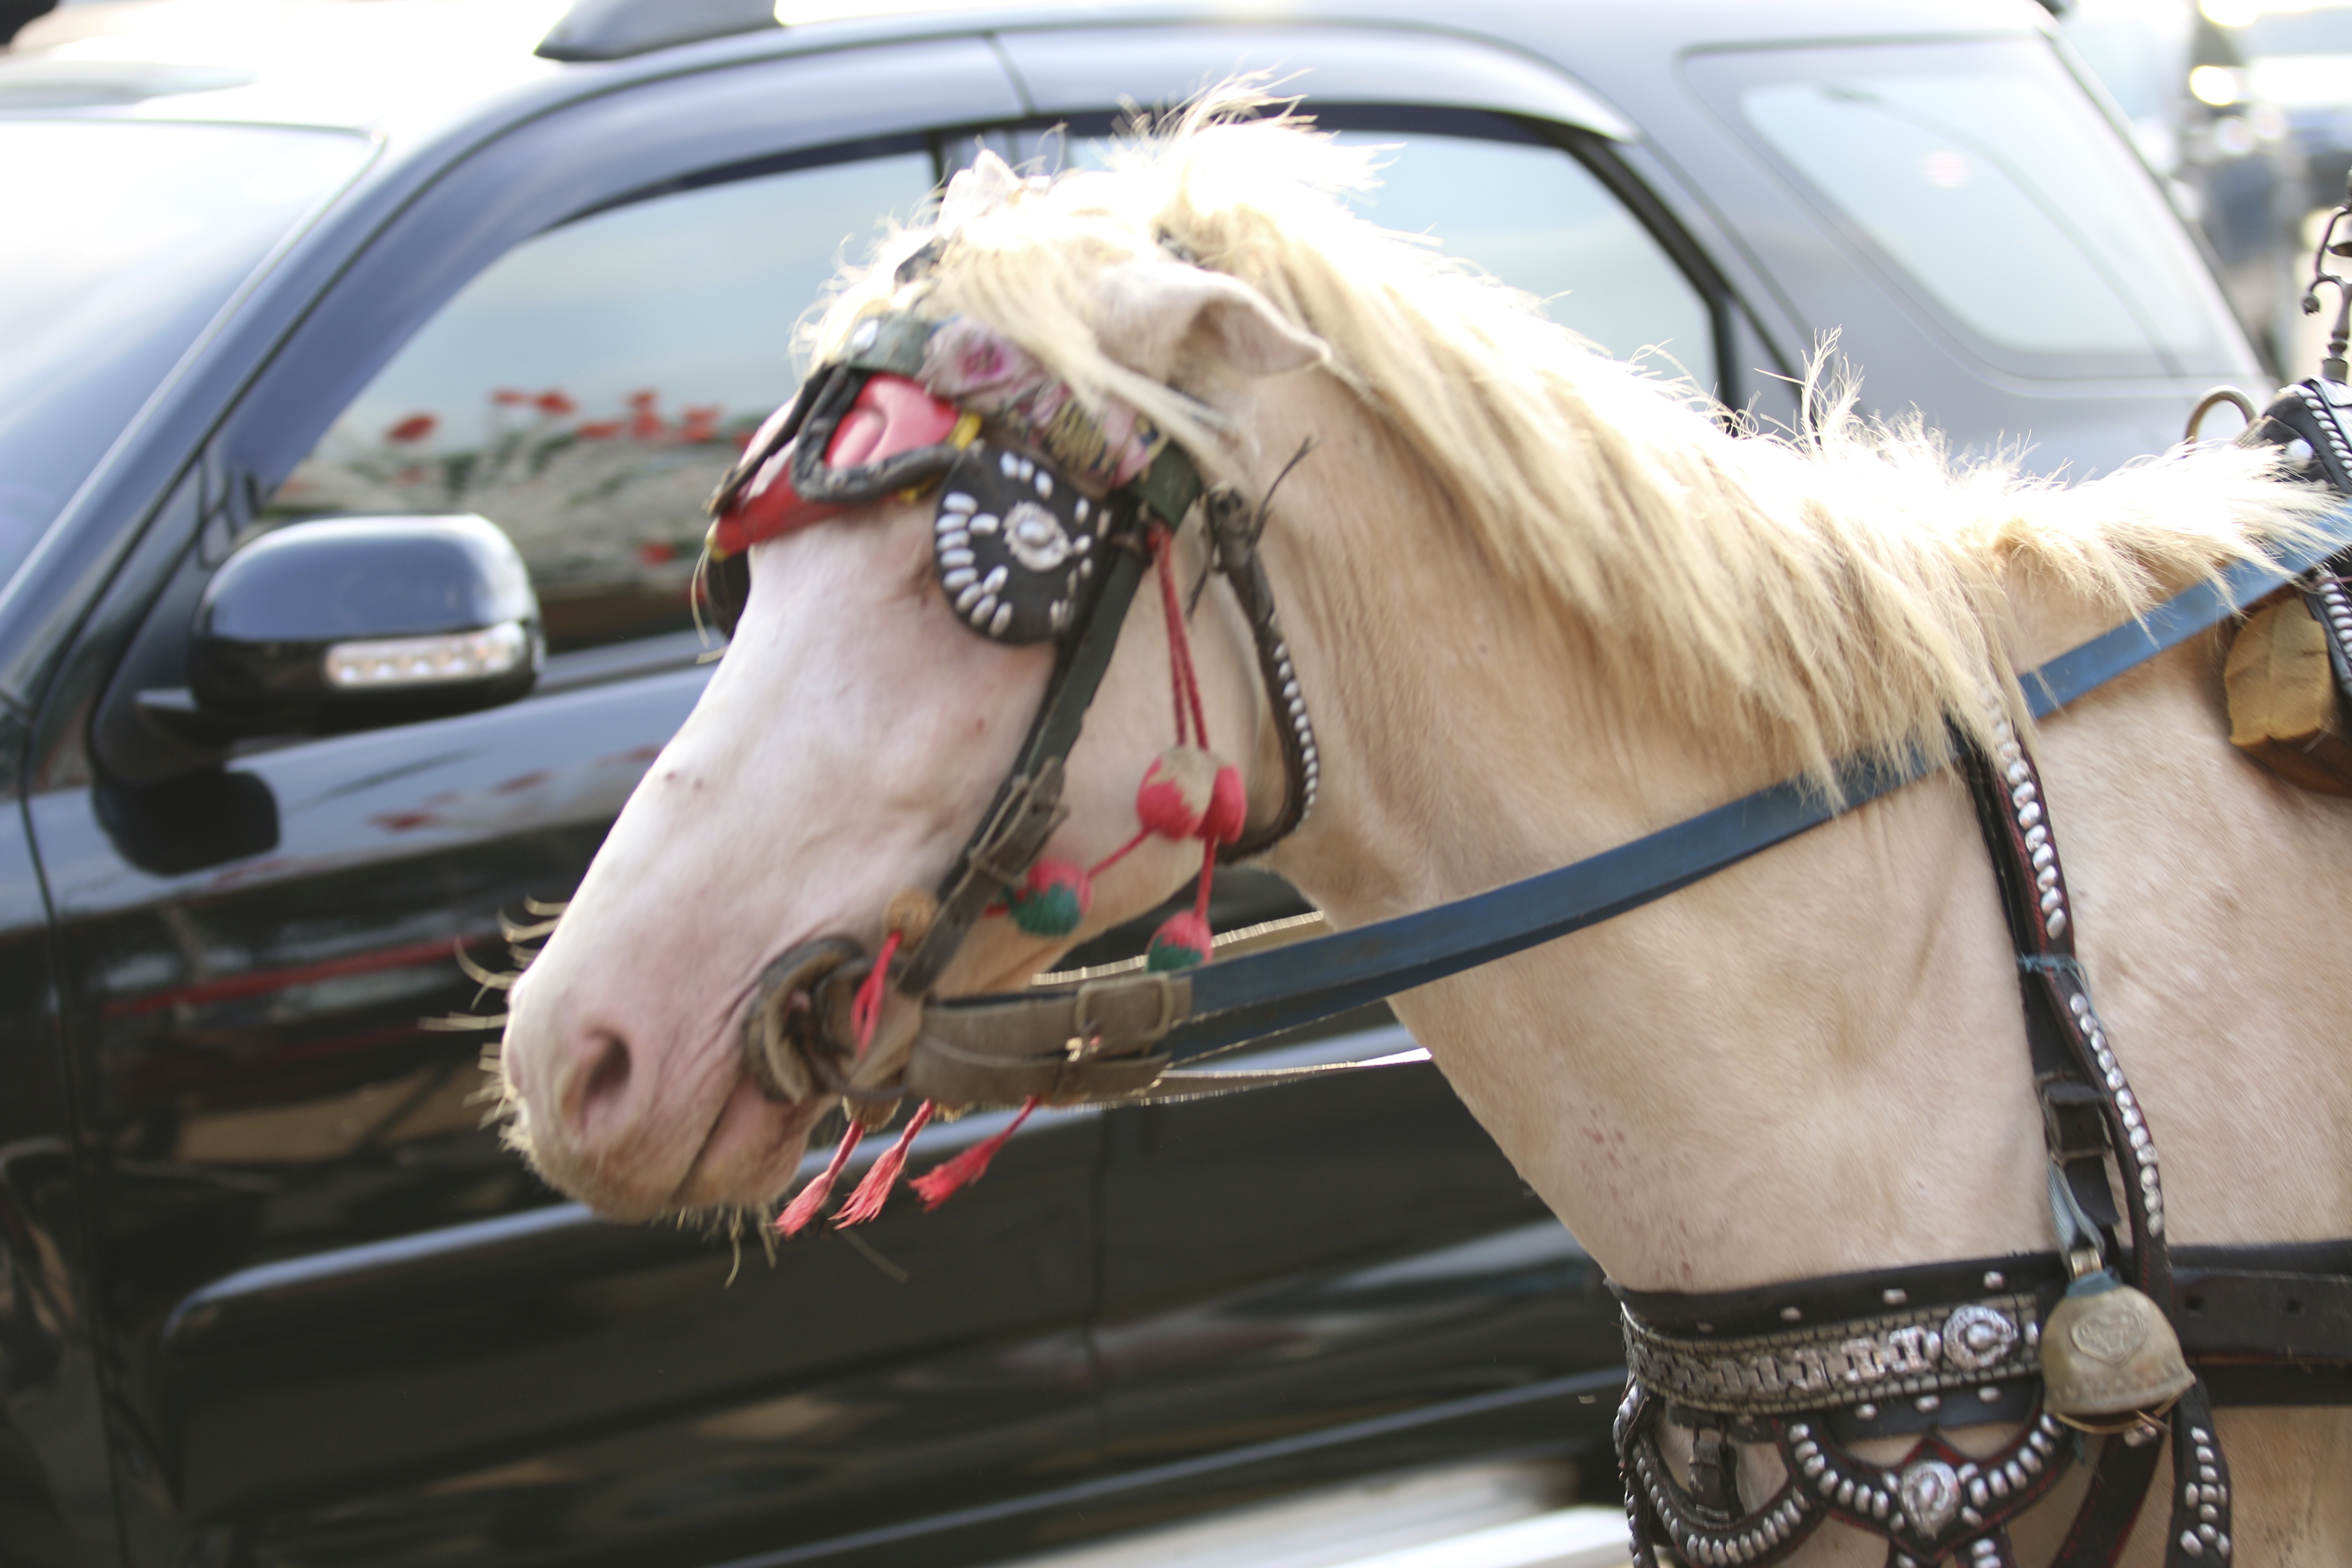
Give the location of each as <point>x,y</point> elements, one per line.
<point>271,1292</point>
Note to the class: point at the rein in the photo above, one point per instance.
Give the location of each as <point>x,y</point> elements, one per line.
<point>1131,1029</point>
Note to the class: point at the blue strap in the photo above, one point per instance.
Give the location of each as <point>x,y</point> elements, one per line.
<point>1267,993</point>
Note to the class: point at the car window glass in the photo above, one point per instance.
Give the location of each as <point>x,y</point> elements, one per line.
<point>118,243</point>
<point>1998,191</point>
<point>1539,220</point>
<point>588,390</point>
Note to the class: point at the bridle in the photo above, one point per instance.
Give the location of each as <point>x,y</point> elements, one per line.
<point>1044,528</point>
<point>1078,507</point>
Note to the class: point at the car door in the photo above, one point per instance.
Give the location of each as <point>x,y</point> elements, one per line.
<point>1345,1274</point>
<point>340,1321</point>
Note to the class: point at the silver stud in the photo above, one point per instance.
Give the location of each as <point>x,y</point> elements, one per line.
<point>995,581</point>
<point>970,595</point>
<point>1989,1395</point>
<point>984,524</point>
<point>1894,1296</point>
<point>1003,619</point>
<point>1995,1280</point>
<point>1046,485</point>
<point>1929,1402</point>
<point>2036,837</point>
<point>2018,772</point>
<point>959,578</point>
<point>2022,794</point>
<point>956,500</point>
<point>955,557</point>
<point>982,611</point>
<point>1866,1412</point>
<point>2030,815</point>
<point>1791,1314</point>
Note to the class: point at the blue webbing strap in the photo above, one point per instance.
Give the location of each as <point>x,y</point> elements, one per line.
<point>1267,993</point>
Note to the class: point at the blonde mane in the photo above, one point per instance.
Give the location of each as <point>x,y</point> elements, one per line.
<point>1842,591</point>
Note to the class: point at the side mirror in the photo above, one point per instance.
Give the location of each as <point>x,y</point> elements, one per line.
<point>352,622</point>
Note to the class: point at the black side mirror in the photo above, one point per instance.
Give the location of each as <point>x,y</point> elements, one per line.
<point>353,623</point>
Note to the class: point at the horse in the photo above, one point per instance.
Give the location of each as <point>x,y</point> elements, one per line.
<point>1542,602</point>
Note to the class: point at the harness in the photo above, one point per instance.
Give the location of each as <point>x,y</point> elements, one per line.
<point>1046,531</point>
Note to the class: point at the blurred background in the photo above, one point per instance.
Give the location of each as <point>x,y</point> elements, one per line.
<point>2246,108</point>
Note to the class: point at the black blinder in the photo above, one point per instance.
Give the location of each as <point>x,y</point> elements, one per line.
<point>1016,545</point>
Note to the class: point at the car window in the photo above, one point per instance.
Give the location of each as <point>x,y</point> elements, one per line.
<point>1541,221</point>
<point>1998,194</point>
<point>119,243</point>
<point>587,391</point>
<point>1524,210</point>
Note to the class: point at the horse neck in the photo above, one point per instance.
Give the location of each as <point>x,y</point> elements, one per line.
<point>1722,1088</point>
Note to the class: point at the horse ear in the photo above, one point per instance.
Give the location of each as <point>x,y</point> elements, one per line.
<point>1165,318</point>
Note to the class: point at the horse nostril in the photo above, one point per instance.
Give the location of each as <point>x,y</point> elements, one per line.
<point>602,1083</point>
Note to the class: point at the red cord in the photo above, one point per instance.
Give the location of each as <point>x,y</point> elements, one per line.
<point>872,1193</point>
<point>942,1181</point>
<point>866,1008</point>
<point>811,1199</point>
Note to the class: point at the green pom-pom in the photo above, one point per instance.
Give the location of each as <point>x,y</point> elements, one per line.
<point>1181,942</point>
<point>1052,899</point>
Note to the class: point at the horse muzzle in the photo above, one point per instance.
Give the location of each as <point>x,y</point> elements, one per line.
<point>798,1041</point>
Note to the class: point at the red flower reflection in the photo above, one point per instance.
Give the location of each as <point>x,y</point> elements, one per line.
<point>510,398</point>
<point>555,403</point>
<point>699,423</point>
<point>415,427</point>
<point>600,430</point>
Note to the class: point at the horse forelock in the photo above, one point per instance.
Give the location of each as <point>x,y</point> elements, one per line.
<point>1840,589</point>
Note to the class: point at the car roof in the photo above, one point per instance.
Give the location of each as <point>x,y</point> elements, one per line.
<point>409,70</point>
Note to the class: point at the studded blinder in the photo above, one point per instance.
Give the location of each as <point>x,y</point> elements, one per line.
<point>1015,545</point>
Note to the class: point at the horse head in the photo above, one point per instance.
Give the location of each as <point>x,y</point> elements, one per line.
<point>690,1019</point>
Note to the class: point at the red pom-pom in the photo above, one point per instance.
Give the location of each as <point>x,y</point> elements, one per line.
<point>1052,899</point>
<point>1228,811</point>
<point>1181,942</point>
<point>1178,789</point>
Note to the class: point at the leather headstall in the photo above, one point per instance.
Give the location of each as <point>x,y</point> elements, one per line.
<point>1022,552</point>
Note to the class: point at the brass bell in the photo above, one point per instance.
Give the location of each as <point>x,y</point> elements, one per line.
<point>2109,1358</point>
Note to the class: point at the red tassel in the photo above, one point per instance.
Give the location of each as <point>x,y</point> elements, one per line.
<point>875,1190</point>
<point>941,1183</point>
<point>865,1007</point>
<point>811,1199</point>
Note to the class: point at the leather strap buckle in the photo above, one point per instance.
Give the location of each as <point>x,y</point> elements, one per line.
<point>1093,1031</point>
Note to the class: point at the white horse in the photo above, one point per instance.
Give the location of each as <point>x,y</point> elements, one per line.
<point>1542,604</point>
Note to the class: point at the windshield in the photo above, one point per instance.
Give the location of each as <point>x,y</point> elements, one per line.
<point>119,241</point>
<point>1986,180</point>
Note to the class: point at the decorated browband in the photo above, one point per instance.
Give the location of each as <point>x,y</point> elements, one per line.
<point>1014,539</point>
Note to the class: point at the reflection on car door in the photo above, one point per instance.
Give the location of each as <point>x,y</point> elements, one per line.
<point>345,1324</point>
